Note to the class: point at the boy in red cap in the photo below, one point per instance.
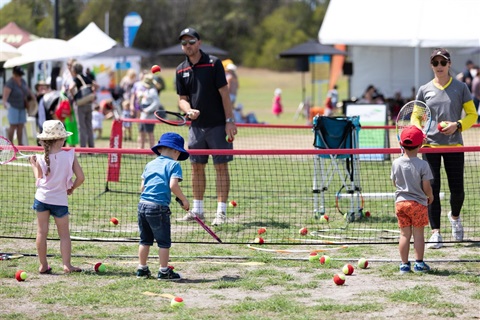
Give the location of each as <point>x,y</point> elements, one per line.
<point>411,176</point>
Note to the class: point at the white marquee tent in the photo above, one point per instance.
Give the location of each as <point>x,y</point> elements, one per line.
<point>92,40</point>
<point>389,41</point>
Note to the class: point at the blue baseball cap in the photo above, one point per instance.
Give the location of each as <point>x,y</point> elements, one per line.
<point>174,141</point>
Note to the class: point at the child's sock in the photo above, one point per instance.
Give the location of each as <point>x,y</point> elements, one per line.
<point>164,270</point>
<point>140,266</point>
<point>418,261</point>
<point>197,206</point>
<point>222,207</point>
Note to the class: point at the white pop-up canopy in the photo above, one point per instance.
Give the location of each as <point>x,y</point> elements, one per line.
<point>390,41</point>
<point>92,40</point>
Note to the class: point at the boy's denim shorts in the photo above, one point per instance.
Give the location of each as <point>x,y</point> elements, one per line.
<point>154,224</point>
<point>56,211</point>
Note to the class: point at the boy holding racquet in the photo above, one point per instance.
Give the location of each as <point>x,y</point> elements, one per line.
<point>53,173</point>
<point>159,179</point>
<point>411,176</point>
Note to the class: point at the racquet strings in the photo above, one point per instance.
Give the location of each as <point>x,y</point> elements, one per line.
<point>414,113</point>
<point>7,151</point>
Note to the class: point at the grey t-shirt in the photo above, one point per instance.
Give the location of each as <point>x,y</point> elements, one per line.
<point>408,174</point>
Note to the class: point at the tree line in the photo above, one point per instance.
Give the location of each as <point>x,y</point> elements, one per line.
<point>254,32</point>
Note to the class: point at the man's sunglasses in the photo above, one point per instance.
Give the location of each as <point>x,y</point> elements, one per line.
<point>191,42</point>
<point>442,62</point>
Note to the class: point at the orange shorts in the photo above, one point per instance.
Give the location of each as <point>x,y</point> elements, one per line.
<point>411,213</point>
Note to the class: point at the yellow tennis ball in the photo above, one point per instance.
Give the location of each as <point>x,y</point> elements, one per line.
<point>177,302</point>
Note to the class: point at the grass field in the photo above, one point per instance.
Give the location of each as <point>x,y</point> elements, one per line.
<point>233,281</point>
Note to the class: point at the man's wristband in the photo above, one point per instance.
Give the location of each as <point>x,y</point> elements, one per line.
<point>229,120</point>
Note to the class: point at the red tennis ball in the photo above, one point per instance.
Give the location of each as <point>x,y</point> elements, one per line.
<point>229,140</point>
<point>348,269</point>
<point>325,260</point>
<point>155,69</point>
<point>259,240</point>
<point>233,203</point>
<point>303,231</point>
<point>363,263</point>
<point>262,230</point>
<point>114,221</point>
<point>100,267</point>
<point>367,214</point>
<point>313,257</point>
<point>20,275</point>
<point>339,279</point>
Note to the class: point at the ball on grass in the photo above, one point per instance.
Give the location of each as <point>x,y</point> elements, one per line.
<point>20,275</point>
<point>259,240</point>
<point>325,260</point>
<point>262,230</point>
<point>339,279</point>
<point>313,257</point>
<point>177,302</point>
<point>348,269</point>
<point>114,221</point>
<point>232,204</point>
<point>303,231</point>
<point>363,263</point>
<point>100,267</point>
<point>324,218</point>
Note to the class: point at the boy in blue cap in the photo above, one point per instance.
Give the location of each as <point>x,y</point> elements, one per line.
<point>159,179</point>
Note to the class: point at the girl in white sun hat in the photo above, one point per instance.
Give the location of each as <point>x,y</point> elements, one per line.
<point>54,171</point>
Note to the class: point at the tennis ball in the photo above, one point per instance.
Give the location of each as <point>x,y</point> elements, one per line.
<point>20,275</point>
<point>232,204</point>
<point>303,231</point>
<point>339,279</point>
<point>259,240</point>
<point>363,263</point>
<point>229,140</point>
<point>262,230</point>
<point>367,214</point>
<point>442,125</point>
<point>155,69</point>
<point>325,260</point>
<point>324,218</point>
<point>114,221</point>
<point>100,267</point>
<point>313,257</point>
<point>348,269</point>
<point>177,302</point>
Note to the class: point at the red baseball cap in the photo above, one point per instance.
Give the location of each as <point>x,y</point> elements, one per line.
<point>411,136</point>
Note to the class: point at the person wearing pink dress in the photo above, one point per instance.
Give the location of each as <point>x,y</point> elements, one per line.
<point>277,102</point>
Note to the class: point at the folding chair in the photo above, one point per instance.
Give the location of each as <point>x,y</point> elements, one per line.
<point>337,133</point>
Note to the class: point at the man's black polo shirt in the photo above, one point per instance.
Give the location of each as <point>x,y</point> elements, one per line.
<point>200,82</point>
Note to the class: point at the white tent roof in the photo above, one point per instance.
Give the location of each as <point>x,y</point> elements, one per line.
<point>7,51</point>
<point>92,40</point>
<point>405,23</point>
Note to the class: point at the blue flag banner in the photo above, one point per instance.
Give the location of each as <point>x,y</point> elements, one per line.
<point>131,23</point>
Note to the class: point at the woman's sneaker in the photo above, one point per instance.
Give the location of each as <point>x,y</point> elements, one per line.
<point>457,228</point>
<point>405,268</point>
<point>435,241</point>
<point>421,267</point>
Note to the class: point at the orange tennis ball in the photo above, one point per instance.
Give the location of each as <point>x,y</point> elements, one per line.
<point>155,69</point>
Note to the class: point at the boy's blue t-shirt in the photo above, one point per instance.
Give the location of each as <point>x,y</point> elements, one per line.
<point>156,176</point>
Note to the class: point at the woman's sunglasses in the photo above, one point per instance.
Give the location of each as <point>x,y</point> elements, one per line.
<point>442,62</point>
<point>191,42</point>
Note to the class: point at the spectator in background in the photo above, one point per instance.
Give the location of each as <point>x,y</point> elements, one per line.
<point>333,95</point>
<point>89,73</point>
<point>67,77</point>
<point>277,107</point>
<point>149,102</point>
<point>97,122</point>
<point>15,95</point>
<point>368,95</point>
<point>137,91</point>
<point>466,76</point>
<point>232,82</point>
<point>476,89</point>
<point>127,83</point>
<point>84,113</point>
<point>127,126</point>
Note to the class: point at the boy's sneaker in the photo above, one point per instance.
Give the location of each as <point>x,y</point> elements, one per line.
<point>435,241</point>
<point>169,275</point>
<point>421,267</point>
<point>457,228</point>
<point>190,217</point>
<point>405,268</point>
<point>143,273</point>
<point>220,218</point>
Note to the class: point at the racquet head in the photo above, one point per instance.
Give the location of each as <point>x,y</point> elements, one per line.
<point>416,113</point>
<point>170,118</point>
<point>8,152</point>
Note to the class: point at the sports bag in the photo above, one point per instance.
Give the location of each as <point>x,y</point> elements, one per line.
<point>85,94</point>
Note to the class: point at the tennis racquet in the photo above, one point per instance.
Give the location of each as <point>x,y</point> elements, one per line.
<point>350,204</point>
<point>8,152</point>
<point>171,118</point>
<point>416,113</point>
<point>10,256</point>
<point>200,222</point>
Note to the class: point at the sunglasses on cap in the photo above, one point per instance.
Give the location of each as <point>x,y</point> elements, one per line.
<point>442,62</point>
<point>191,42</point>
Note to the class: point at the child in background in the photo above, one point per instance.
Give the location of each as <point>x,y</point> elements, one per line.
<point>159,179</point>
<point>277,102</point>
<point>411,176</point>
<point>97,122</point>
<point>127,126</point>
<point>53,173</point>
